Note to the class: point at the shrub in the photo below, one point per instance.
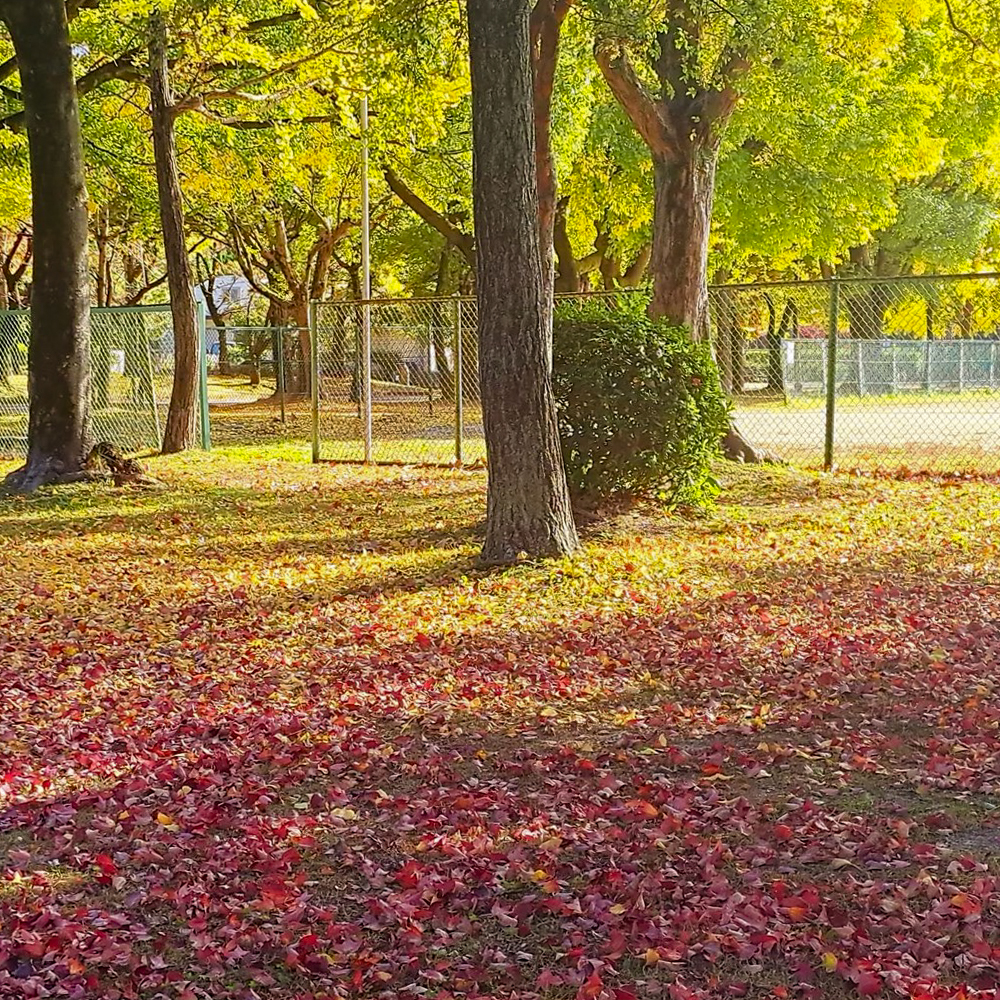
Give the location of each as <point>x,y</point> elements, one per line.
<point>640,406</point>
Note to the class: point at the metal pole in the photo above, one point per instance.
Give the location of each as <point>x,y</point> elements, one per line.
<point>366,268</point>
<point>457,381</point>
<point>831,373</point>
<point>281,372</point>
<point>155,403</point>
<point>206,429</point>
<point>314,379</point>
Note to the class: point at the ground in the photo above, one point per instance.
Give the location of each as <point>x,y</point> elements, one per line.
<point>269,732</point>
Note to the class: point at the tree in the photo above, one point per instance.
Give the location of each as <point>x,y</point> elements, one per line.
<point>528,505</point>
<point>179,430</point>
<point>682,122</point>
<point>59,353</point>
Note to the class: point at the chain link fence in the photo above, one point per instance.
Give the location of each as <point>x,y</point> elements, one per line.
<point>258,384</point>
<point>873,374</point>
<point>423,406</point>
<point>132,370</point>
<point>868,374</point>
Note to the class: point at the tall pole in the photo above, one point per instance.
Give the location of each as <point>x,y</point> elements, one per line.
<point>366,285</point>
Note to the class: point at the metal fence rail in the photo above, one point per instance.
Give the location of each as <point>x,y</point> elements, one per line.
<point>869,374</point>
<point>132,368</point>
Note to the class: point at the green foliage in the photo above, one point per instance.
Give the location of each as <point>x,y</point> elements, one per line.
<point>640,406</point>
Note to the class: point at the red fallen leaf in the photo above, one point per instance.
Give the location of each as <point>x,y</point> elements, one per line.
<point>547,977</point>
<point>409,875</point>
<point>107,864</point>
<point>592,988</point>
<point>869,984</point>
<point>965,904</point>
<point>276,893</point>
<point>307,943</point>
<point>783,832</point>
<point>643,808</point>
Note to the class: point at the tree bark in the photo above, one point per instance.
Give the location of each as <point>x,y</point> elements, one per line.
<point>528,504</point>
<point>682,125</point>
<point>682,221</point>
<point>179,429</point>
<point>567,272</point>
<point>546,23</point>
<point>218,321</point>
<point>59,352</point>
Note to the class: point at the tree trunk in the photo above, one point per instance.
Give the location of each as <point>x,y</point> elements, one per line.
<point>545,28</point>
<point>568,274</point>
<point>866,312</point>
<point>528,505</point>
<point>682,217</point>
<point>180,424</point>
<point>219,322</point>
<point>59,352</point>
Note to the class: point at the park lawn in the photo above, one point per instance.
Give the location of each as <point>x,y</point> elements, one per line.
<point>269,732</point>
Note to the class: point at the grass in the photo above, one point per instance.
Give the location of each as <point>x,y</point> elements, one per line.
<point>270,727</point>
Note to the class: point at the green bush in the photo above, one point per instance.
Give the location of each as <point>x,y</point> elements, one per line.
<point>640,406</point>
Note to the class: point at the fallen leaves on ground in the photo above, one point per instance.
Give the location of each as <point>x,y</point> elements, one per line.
<point>270,733</point>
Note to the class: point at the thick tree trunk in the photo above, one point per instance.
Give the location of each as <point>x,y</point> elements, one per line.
<point>528,505</point>
<point>59,353</point>
<point>682,219</point>
<point>179,430</point>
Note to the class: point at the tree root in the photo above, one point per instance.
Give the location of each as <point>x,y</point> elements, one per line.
<point>104,462</point>
<point>737,448</point>
<point>124,471</point>
<point>27,479</point>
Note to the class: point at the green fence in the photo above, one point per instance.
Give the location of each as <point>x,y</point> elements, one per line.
<point>132,369</point>
<point>869,374</point>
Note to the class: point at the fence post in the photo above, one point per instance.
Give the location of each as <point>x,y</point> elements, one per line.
<point>314,378</point>
<point>431,364</point>
<point>206,429</point>
<point>155,406</point>
<point>458,381</point>
<point>281,370</point>
<point>366,360</point>
<point>831,373</point>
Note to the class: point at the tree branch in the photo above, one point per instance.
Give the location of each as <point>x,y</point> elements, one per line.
<point>463,242</point>
<point>118,69</point>
<point>73,7</point>
<point>640,106</point>
<point>958,29</point>
<point>140,293</point>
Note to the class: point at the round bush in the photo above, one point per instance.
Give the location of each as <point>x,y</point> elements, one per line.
<point>641,409</point>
